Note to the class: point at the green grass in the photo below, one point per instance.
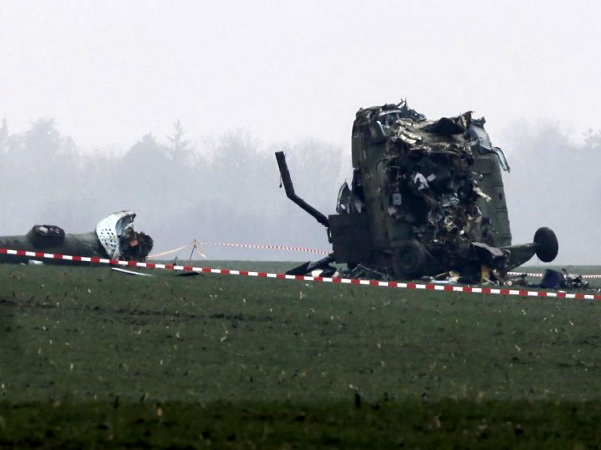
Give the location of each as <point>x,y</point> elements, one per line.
<point>385,424</point>
<point>87,348</point>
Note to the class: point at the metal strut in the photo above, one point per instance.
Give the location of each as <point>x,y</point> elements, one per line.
<point>289,187</point>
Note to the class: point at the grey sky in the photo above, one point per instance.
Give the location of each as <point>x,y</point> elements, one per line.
<point>111,71</point>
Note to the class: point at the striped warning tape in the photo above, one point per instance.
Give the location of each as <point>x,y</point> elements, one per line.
<point>335,280</point>
<point>539,275</point>
<point>196,245</point>
<point>170,252</point>
<point>267,247</point>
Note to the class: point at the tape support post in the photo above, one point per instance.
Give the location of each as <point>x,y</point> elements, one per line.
<point>335,280</point>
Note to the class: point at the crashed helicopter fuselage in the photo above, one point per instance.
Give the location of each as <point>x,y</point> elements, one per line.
<point>113,238</point>
<point>426,198</point>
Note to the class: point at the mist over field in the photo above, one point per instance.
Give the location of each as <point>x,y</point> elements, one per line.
<point>174,110</point>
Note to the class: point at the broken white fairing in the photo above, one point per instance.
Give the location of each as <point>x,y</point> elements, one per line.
<point>111,228</point>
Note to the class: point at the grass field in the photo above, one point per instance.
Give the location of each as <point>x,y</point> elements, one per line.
<point>94,357</point>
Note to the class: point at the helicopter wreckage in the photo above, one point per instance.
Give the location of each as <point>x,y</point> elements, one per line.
<point>113,238</point>
<point>426,199</point>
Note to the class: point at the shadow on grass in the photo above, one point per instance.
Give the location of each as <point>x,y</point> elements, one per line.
<point>388,424</point>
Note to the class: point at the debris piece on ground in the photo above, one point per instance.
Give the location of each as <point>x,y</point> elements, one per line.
<point>130,272</point>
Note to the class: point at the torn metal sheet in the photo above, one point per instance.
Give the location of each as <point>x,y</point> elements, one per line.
<point>114,237</point>
<point>426,197</point>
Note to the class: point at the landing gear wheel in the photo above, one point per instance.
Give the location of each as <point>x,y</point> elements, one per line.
<point>410,260</point>
<point>546,244</point>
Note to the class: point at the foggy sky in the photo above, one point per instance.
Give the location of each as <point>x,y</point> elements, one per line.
<point>109,72</point>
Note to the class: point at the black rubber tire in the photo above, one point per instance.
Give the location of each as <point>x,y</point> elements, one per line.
<point>410,260</point>
<point>546,244</point>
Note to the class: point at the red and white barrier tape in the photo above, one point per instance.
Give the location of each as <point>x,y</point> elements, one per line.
<point>170,252</point>
<point>534,275</point>
<point>196,245</point>
<point>540,274</point>
<point>303,250</point>
<point>335,280</point>
<point>267,247</point>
